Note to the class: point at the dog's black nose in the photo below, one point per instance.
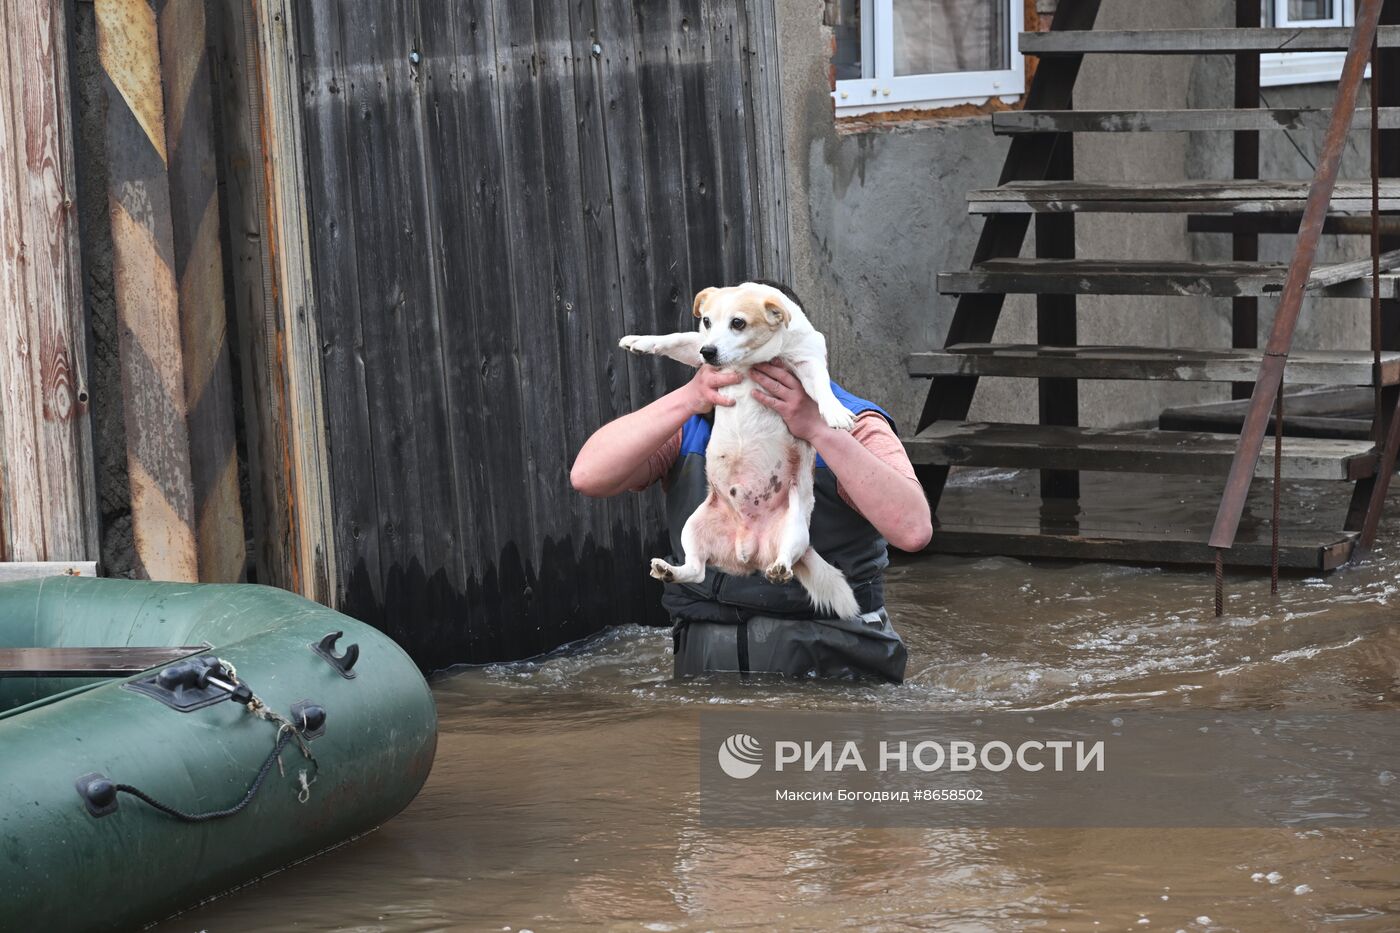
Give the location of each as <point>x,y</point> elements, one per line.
<point>709,353</point>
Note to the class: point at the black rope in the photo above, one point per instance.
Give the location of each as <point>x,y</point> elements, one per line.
<point>184,817</point>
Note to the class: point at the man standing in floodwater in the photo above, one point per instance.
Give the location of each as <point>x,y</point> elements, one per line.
<point>867,496</point>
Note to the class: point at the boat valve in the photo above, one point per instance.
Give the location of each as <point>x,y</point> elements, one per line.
<point>98,792</point>
<point>341,662</point>
<point>310,718</point>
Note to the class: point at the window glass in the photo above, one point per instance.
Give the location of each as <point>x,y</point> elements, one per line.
<point>943,36</point>
<point>846,25</point>
<point>1310,9</point>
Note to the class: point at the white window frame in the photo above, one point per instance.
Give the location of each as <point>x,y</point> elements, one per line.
<point>885,91</point>
<point>1279,69</point>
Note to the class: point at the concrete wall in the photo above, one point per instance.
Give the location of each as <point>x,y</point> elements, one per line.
<point>876,214</point>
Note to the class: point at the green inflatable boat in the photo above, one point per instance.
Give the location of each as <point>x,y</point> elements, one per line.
<point>263,730</point>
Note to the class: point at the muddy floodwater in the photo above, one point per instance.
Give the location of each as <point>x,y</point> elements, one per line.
<point>565,791</point>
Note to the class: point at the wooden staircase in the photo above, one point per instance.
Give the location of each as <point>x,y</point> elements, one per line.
<point>1038,186</point>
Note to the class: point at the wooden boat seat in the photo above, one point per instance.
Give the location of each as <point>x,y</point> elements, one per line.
<point>88,662</point>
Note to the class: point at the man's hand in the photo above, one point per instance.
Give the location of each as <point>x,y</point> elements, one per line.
<point>781,391</point>
<point>704,389</point>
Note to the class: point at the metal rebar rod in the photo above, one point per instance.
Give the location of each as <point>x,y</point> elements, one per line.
<point>1378,422</point>
<point>1219,582</point>
<point>1270,380</point>
<point>1278,491</point>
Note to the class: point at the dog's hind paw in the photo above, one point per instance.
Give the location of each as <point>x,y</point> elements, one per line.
<point>836,416</point>
<point>663,571</point>
<point>778,573</point>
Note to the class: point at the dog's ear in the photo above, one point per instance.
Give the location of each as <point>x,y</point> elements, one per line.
<point>778,314</point>
<point>700,300</point>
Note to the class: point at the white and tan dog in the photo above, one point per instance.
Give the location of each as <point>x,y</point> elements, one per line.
<point>759,509</point>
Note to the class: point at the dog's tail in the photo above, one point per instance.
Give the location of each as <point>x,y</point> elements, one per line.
<point>826,586</point>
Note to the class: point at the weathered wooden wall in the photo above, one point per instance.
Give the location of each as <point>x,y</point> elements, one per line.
<point>47,491</point>
<point>497,192</point>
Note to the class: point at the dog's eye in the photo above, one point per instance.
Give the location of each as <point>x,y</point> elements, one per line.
<point>738,324</point>
<point>705,322</point>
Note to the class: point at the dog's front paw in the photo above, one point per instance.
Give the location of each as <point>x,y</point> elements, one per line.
<point>638,345</point>
<point>663,571</point>
<point>836,416</point>
<point>778,573</point>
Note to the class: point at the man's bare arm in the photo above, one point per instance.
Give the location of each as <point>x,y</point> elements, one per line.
<point>614,459</point>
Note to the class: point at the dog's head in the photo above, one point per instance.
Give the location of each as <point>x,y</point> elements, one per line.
<point>740,324</point>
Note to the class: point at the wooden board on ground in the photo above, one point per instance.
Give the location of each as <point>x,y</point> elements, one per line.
<point>30,570</point>
<point>1341,367</point>
<point>1342,412</point>
<point>1308,550</point>
<point>1029,446</point>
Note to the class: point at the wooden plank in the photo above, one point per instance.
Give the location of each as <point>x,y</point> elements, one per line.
<point>1299,549</point>
<point>48,505</point>
<point>280,350</point>
<point>607,109</point>
<point>1016,122</point>
<point>764,81</point>
<point>480,339</point>
<point>688,23</point>
<point>89,662</point>
<point>30,570</point>
<point>1030,446</point>
<point>636,98</point>
<point>1197,41</point>
<point>1151,277</point>
<point>1186,195</point>
<point>533,252</point>
<point>1286,224</point>
<point>198,267</point>
<point>1331,412</point>
<point>393,291</point>
<point>1340,367</point>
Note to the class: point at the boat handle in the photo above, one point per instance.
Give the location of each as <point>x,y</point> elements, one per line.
<point>343,663</point>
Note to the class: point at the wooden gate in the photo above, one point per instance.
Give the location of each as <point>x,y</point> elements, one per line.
<point>496,192</point>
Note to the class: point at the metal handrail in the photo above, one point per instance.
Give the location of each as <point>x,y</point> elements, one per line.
<point>1270,381</point>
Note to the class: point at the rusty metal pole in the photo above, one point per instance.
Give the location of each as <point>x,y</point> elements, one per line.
<point>1270,379</point>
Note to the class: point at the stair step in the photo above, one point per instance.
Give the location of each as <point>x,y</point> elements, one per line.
<point>1339,367</point>
<point>1192,195</point>
<point>1196,41</point>
<point>1031,446</point>
<point>1299,549</point>
<point>1337,412</point>
<point>1179,121</point>
<point>1153,277</point>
